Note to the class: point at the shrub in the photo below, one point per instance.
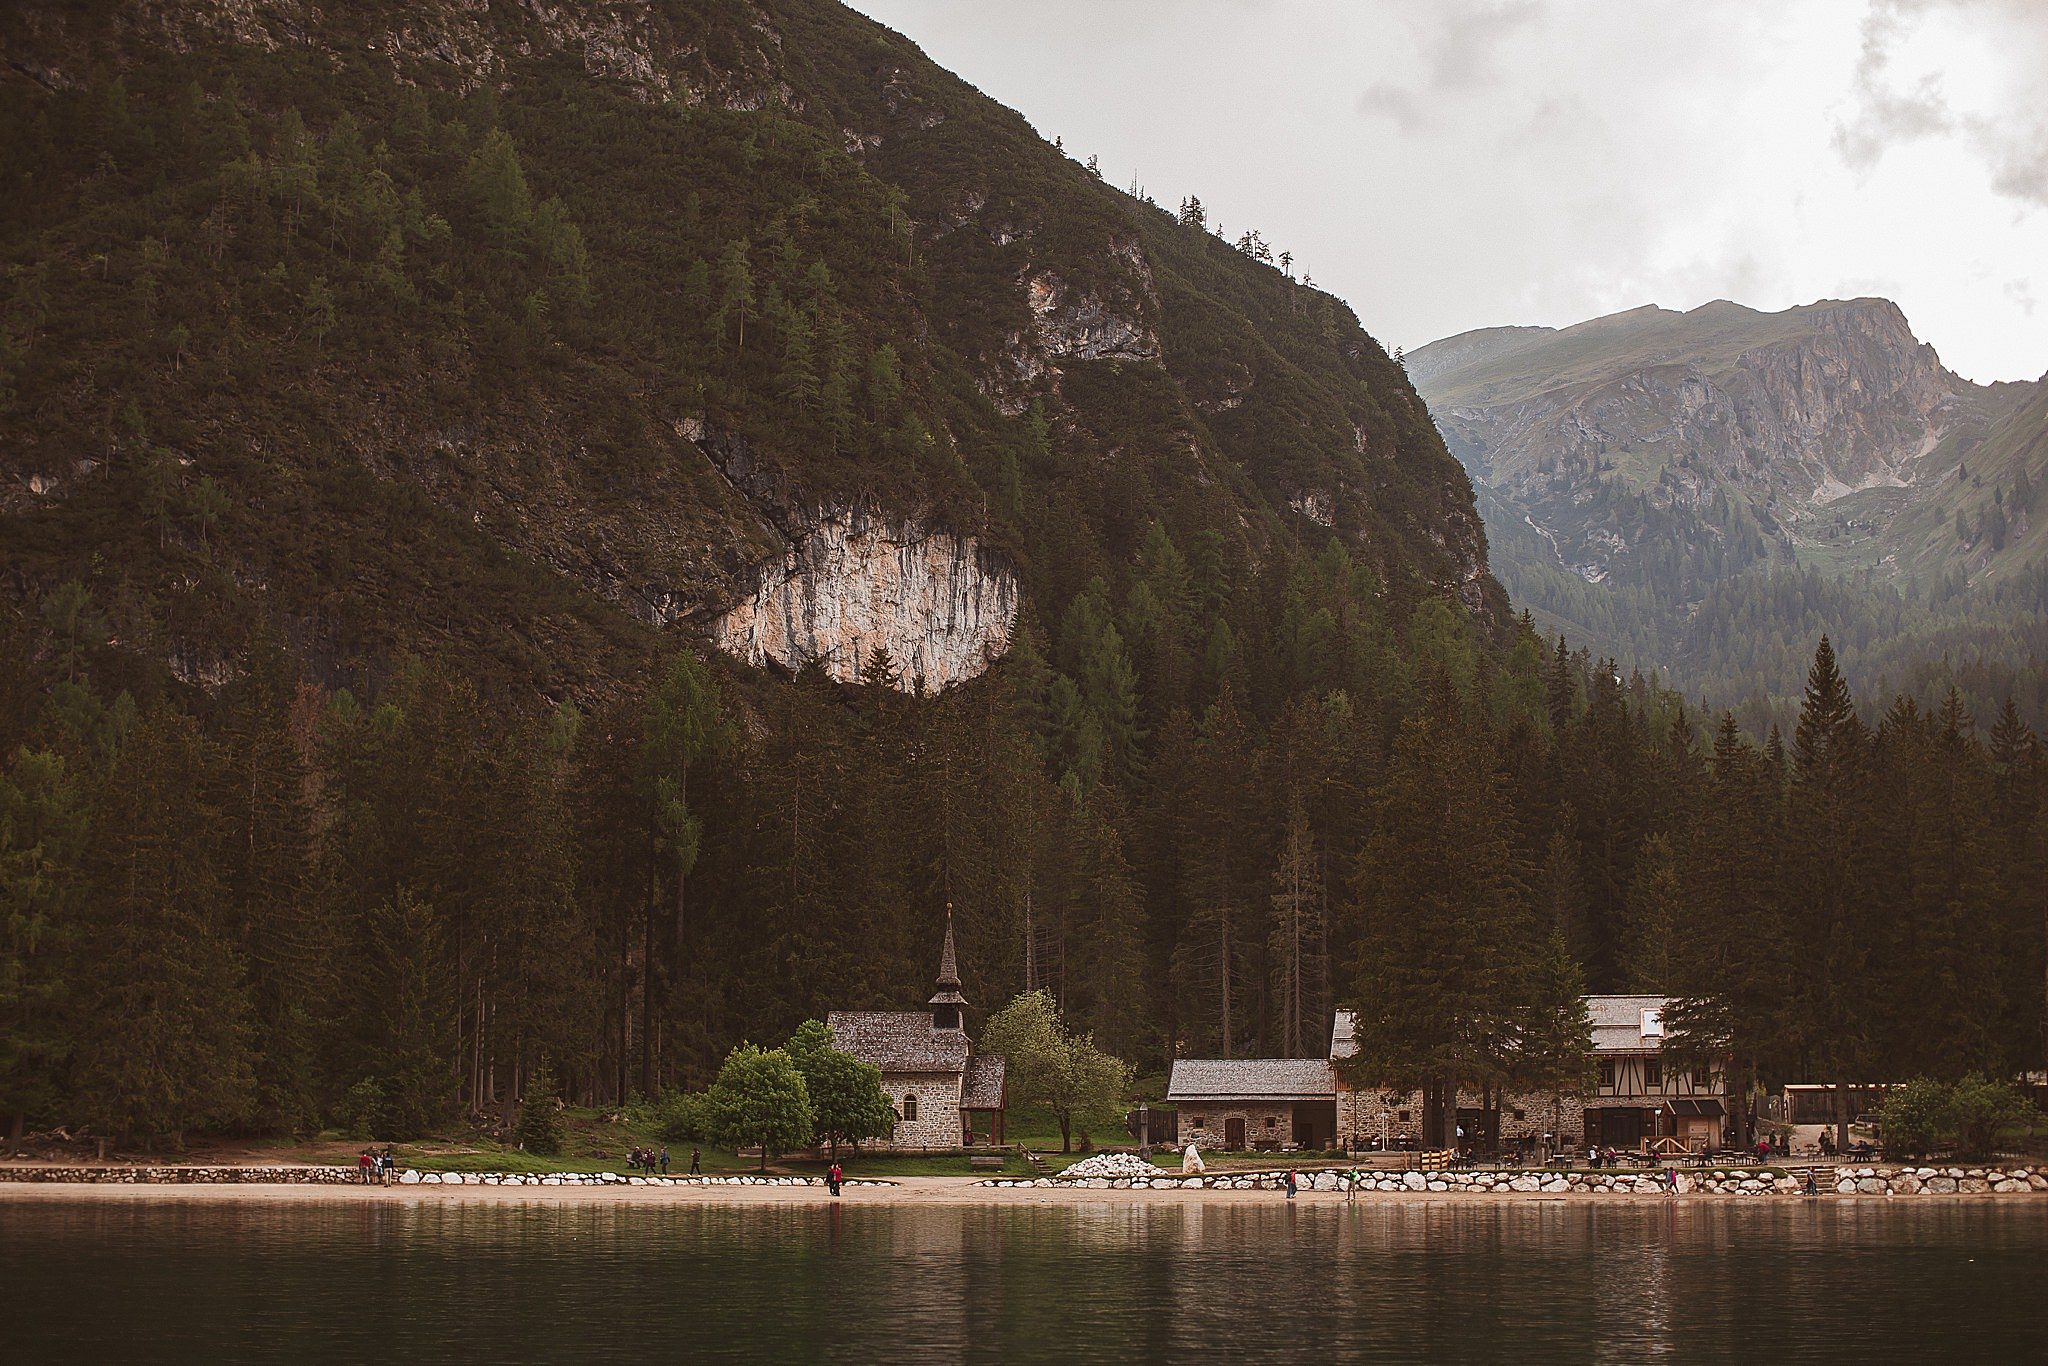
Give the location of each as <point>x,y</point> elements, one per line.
<point>1980,1107</point>
<point>685,1118</point>
<point>362,1109</point>
<point>1915,1116</point>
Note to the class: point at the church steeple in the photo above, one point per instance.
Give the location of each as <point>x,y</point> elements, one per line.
<point>947,1002</point>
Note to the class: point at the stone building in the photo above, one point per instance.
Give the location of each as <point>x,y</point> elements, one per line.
<point>946,1095</point>
<point>1638,1100</point>
<point>1259,1103</point>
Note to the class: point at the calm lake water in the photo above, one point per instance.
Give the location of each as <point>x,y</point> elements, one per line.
<point>191,1280</point>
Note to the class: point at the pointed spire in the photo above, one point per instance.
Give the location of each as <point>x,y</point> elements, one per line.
<point>949,968</point>
<point>946,1002</point>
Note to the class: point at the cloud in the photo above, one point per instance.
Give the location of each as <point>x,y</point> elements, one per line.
<point>1403,107</point>
<point>1993,107</point>
<point>2021,292</point>
<point>1459,47</point>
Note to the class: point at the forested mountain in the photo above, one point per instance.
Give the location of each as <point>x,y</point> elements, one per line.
<point>1706,492</point>
<point>403,405</point>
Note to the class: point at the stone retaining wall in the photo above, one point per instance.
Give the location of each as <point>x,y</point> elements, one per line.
<point>1949,1180</point>
<point>350,1176</point>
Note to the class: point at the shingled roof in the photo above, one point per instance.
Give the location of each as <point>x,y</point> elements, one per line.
<point>1251,1079</point>
<point>987,1085</point>
<point>1618,1023</point>
<point>898,1040</point>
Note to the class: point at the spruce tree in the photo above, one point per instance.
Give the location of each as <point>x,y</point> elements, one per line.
<point>1650,926</point>
<point>1298,947</point>
<point>1828,846</point>
<point>540,1119</point>
<point>1437,982</point>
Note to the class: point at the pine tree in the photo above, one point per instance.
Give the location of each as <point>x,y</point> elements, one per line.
<point>1827,857</point>
<point>540,1120</point>
<point>1553,1042</point>
<point>43,832</point>
<point>169,1043</point>
<point>1650,926</point>
<point>497,187</point>
<point>1435,984</point>
<point>1298,949</point>
<point>735,294</point>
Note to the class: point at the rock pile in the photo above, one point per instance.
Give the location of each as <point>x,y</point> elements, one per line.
<point>1129,1174</point>
<point>1125,1165</point>
<point>350,1176</point>
<point>187,1176</point>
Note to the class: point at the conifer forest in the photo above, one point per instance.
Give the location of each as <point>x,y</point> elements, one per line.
<point>377,449</point>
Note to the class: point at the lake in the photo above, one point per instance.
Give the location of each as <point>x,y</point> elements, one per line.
<point>446,1281</point>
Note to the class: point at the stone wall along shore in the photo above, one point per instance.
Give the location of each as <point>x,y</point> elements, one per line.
<point>350,1176</point>
<point>1942,1180</point>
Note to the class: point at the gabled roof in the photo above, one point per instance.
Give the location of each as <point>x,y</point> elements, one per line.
<point>1344,1036</point>
<point>1618,1023</point>
<point>987,1084</point>
<point>1251,1079</point>
<point>898,1040</point>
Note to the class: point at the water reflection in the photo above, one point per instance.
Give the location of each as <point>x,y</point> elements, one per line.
<point>1451,1280</point>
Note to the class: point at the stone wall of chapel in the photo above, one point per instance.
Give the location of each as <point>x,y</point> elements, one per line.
<point>938,1123</point>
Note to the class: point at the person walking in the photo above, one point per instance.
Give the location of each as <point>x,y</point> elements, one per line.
<point>1291,1183</point>
<point>664,1159</point>
<point>695,1169</point>
<point>1671,1183</point>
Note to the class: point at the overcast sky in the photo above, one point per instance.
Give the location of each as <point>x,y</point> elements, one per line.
<point>1451,164</point>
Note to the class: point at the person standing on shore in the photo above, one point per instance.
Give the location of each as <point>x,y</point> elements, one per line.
<point>695,1169</point>
<point>664,1159</point>
<point>833,1178</point>
<point>1291,1183</point>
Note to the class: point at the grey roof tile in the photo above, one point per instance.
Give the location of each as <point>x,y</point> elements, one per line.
<point>898,1040</point>
<point>987,1083</point>
<point>1251,1079</point>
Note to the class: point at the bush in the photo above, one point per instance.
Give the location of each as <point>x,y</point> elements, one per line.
<point>1980,1107</point>
<point>362,1109</point>
<point>685,1118</point>
<point>1914,1117</point>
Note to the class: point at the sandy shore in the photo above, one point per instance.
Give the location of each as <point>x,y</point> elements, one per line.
<point>910,1190</point>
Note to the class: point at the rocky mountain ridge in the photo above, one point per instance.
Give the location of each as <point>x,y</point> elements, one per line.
<point>1699,492</point>
<point>1780,414</point>
<point>624,316</point>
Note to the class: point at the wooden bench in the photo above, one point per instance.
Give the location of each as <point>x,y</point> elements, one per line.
<point>986,1163</point>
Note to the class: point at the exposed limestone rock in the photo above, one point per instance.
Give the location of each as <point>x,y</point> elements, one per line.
<point>1069,324</point>
<point>856,584</point>
<point>1796,410</point>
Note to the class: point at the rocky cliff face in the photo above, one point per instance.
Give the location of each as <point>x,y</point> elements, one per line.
<point>1579,431</point>
<point>857,585</point>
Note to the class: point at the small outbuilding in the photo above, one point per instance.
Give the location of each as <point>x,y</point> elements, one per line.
<point>1257,1103</point>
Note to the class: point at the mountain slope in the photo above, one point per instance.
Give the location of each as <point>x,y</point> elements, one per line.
<point>530,334</point>
<point>1639,472</point>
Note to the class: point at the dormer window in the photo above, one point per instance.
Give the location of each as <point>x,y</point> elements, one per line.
<point>1653,1023</point>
